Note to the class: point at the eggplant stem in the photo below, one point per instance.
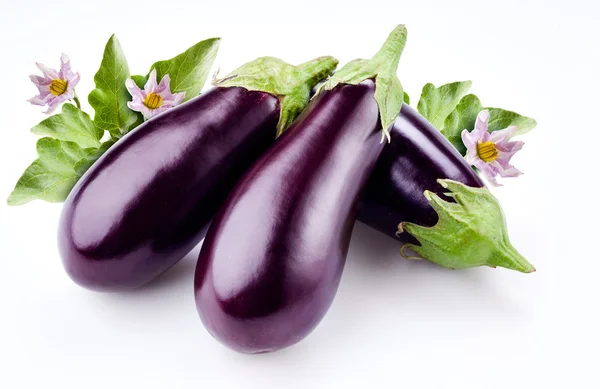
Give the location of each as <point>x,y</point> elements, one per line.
<point>405,256</point>
<point>316,70</point>
<point>389,54</point>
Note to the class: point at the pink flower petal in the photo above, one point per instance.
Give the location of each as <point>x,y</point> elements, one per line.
<point>49,73</point>
<point>139,106</point>
<point>164,87</point>
<point>510,147</point>
<point>65,63</point>
<point>40,81</point>
<point>503,136</point>
<point>132,88</point>
<point>55,102</point>
<point>472,157</point>
<point>512,172</point>
<point>488,171</point>
<point>468,139</point>
<point>74,80</point>
<point>150,86</point>
<point>178,98</point>
<point>159,110</point>
<point>481,123</point>
<point>37,100</point>
<point>174,99</point>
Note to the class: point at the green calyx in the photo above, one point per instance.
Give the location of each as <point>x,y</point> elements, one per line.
<point>389,93</point>
<point>470,232</point>
<point>291,84</point>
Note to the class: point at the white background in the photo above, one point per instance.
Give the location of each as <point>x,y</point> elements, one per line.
<point>394,323</point>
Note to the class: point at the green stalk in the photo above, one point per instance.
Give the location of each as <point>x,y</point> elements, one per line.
<point>382,68</point>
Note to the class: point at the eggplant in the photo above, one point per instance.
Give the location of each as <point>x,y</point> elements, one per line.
<point>419,177</point>
<point>148,200</point>
<point>273,257</point>
<point>411,163</point>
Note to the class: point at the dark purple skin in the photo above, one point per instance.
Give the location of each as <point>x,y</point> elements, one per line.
<point>416,157</point>
<point>147,202</point>
<point>273,257</point>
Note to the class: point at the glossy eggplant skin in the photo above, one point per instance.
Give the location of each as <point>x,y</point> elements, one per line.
<point>147,202</point>
<point>273,257</point>
<point>416,157</point>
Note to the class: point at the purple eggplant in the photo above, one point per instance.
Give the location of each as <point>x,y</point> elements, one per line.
<point>273,257</point>
<point>417,156</point>
<point>415,181</point>
<point>147,202</point>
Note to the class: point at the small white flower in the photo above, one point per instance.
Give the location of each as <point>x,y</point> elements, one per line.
<point>491,152</point>
<point>154,98</point>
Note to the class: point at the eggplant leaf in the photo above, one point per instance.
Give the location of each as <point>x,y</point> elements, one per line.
<point>500,119</point>
<point>92,156</point>
<point>110,97</point>
<point>188,70</point>
<point>463,117</point>
<point>436,103</point>
<point>52,176</point>
<point>140,81</point>
<point>72,125</point>
<point>59,166</point>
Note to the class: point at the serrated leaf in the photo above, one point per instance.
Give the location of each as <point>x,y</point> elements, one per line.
<point>463,117</point>
<point>71,125</point>
<point>50,177</point>
<point>91,157</point>
<point>188,70</point>
<point>110,97</point>
<point>436,103</point>
<point>501,118</point>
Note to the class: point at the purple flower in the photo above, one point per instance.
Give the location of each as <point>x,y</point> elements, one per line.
<point>491,152</point>
<point>55,87</point>
<point>153,99</point>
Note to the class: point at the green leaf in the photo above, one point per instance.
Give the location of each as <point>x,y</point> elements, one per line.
<point>140,81</point>
<point>406,98</point>
<point>50,177</point>
<point>110,97</point>
<point>463,117</point>
<point>71,125</point>
<point>436,104</point>
<point>91,157</point>
<point>500,119</point>
<point>189,70</point>
<point>470,232</point>
<point>59,166</point>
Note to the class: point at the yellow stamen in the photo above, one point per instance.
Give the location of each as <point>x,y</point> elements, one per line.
<point>58,87</point>
<point>487,151</point>
<point>153,100</point>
